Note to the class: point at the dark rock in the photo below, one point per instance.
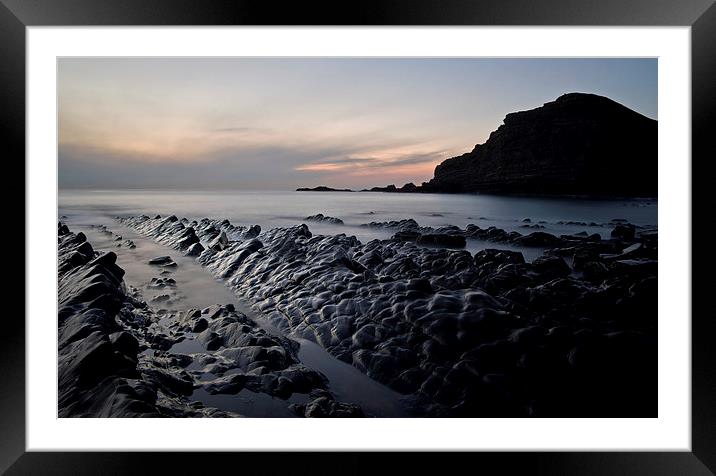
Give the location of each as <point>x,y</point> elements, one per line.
<point>420,285</point>
<point>325,219</point>
<point>252,232</point>
<point>406,235</point>
<point>625,232</point>
<point>450,241</point>
<point>195,249</point>
<point>583,256</point>
<point>649,237</point>
<point>200,325</point>
<point>323,405</point>
<point>551,266</point>
<point>94,354</point>
<point>538,239</point>
<point>220,242</point>
<point>322,188</point>
<point>498,257</point>
<point>187,238</point>
<point>595,270</point>
<point>175,381</point>
<point>161,283</point>
<point>166,261</point>
<point>124,343</point>
<point>402,225</point>
<point>231,384</point>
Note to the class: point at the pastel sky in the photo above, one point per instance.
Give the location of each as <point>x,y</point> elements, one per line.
<point>281,123</point>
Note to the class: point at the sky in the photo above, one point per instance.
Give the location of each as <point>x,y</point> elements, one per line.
<point>283,123</point>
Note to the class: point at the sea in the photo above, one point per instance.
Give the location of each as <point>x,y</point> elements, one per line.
<point>271,209</point>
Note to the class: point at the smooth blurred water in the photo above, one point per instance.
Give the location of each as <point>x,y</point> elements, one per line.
<point>284,208</point>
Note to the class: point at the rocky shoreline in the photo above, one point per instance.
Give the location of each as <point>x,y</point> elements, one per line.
<point>571,334</point>
<point>116,353</point>
<point>455,237</point>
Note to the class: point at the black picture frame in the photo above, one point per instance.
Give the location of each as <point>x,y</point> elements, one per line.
<point>700,15</point>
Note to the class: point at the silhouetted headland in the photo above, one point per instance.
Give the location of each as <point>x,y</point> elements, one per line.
<point>579,144</point>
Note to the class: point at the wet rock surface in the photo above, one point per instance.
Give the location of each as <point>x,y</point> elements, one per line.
<point>323,405</point>
<point>101,371</point>
<point>165,261</point>
<point>571,334</point>
<point>121,357</point>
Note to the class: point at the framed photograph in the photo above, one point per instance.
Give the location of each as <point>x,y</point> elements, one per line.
<point>395,227</point>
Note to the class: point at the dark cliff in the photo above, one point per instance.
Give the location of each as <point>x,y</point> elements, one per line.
<point>580,144</point>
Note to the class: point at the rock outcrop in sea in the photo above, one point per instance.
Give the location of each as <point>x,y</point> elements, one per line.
<point>322,188</point>
<point>572,333</point>
<point>454,237</point>
<point>320,217</point>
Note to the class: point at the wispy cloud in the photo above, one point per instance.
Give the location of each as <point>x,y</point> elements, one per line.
<point>351,163</point>
<point>251,167</point>
<point>242,129</point>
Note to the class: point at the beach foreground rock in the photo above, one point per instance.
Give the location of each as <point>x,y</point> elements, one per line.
<point>118,357</point>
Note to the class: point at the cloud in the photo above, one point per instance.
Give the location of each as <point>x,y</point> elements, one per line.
<point>234,129</point>
<point>395,161</point>
<point>284,166</point>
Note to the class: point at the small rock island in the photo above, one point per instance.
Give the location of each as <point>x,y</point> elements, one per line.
<point>323,188</point>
